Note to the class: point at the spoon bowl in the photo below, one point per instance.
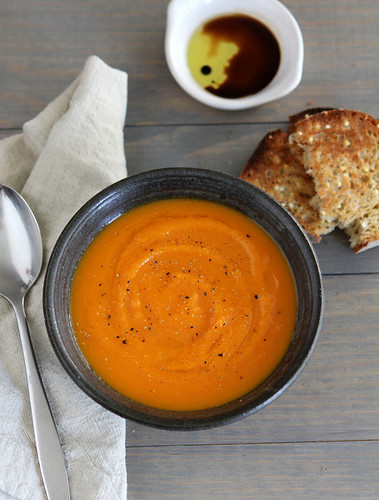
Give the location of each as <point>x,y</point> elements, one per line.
<point>21,255</point>
<point>20,245</point>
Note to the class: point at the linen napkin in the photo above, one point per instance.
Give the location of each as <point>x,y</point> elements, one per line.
<point>69,152</point>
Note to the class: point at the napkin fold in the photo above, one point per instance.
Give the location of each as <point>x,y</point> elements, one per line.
<point>69,152</point>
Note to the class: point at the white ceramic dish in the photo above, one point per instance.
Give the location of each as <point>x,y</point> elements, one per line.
<point>184,16</point>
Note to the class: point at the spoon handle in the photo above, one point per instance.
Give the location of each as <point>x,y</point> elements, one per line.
<point>49,449</point>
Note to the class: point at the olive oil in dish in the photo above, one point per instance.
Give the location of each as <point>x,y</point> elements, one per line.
<point>233,56</point>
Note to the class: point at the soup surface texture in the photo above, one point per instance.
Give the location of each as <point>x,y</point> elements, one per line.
<point>183,304</point>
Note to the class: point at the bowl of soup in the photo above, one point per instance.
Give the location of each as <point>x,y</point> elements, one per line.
<point>183,298</point>
<point>234,54</point>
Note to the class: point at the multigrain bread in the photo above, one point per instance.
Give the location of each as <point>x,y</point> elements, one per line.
<point>325,172</point>
<point>277,170</point>
<point>340,150</point>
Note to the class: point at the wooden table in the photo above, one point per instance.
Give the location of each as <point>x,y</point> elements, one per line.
<point>320,439</point>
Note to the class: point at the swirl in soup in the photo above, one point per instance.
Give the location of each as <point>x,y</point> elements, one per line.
<point>183,304</point>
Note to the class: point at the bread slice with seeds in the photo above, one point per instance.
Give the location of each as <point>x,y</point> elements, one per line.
<point>277,170</point>
<point>339,149</point>
<point>325,172</point>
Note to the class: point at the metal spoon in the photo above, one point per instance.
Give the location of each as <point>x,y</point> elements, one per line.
<point>20,264</point>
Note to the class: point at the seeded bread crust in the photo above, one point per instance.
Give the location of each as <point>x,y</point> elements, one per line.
<point>277,170</point>
<point>303,115</point>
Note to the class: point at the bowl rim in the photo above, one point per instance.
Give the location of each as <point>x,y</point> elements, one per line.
<point>176,420</point>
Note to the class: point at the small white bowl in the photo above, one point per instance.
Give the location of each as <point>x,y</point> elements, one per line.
<point>185,16</point>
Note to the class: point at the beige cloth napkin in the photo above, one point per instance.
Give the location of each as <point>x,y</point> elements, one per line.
<point>69,152</point>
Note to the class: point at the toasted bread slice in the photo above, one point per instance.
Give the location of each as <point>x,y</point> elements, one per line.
<point>340,151</point>
<point>325,172</point>
<point>277,170</point>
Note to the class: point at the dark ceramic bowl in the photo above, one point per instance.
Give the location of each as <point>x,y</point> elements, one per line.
<point>189,183</point>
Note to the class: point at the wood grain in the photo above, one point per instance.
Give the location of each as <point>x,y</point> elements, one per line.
<point>288,471</point>
<point>45,43</point>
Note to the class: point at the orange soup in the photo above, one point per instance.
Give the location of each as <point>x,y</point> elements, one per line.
<point>183,304</point>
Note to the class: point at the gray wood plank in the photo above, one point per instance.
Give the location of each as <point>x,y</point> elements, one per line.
<point>280,471</point>
<point>336,397</point>
<point>44,45</point>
